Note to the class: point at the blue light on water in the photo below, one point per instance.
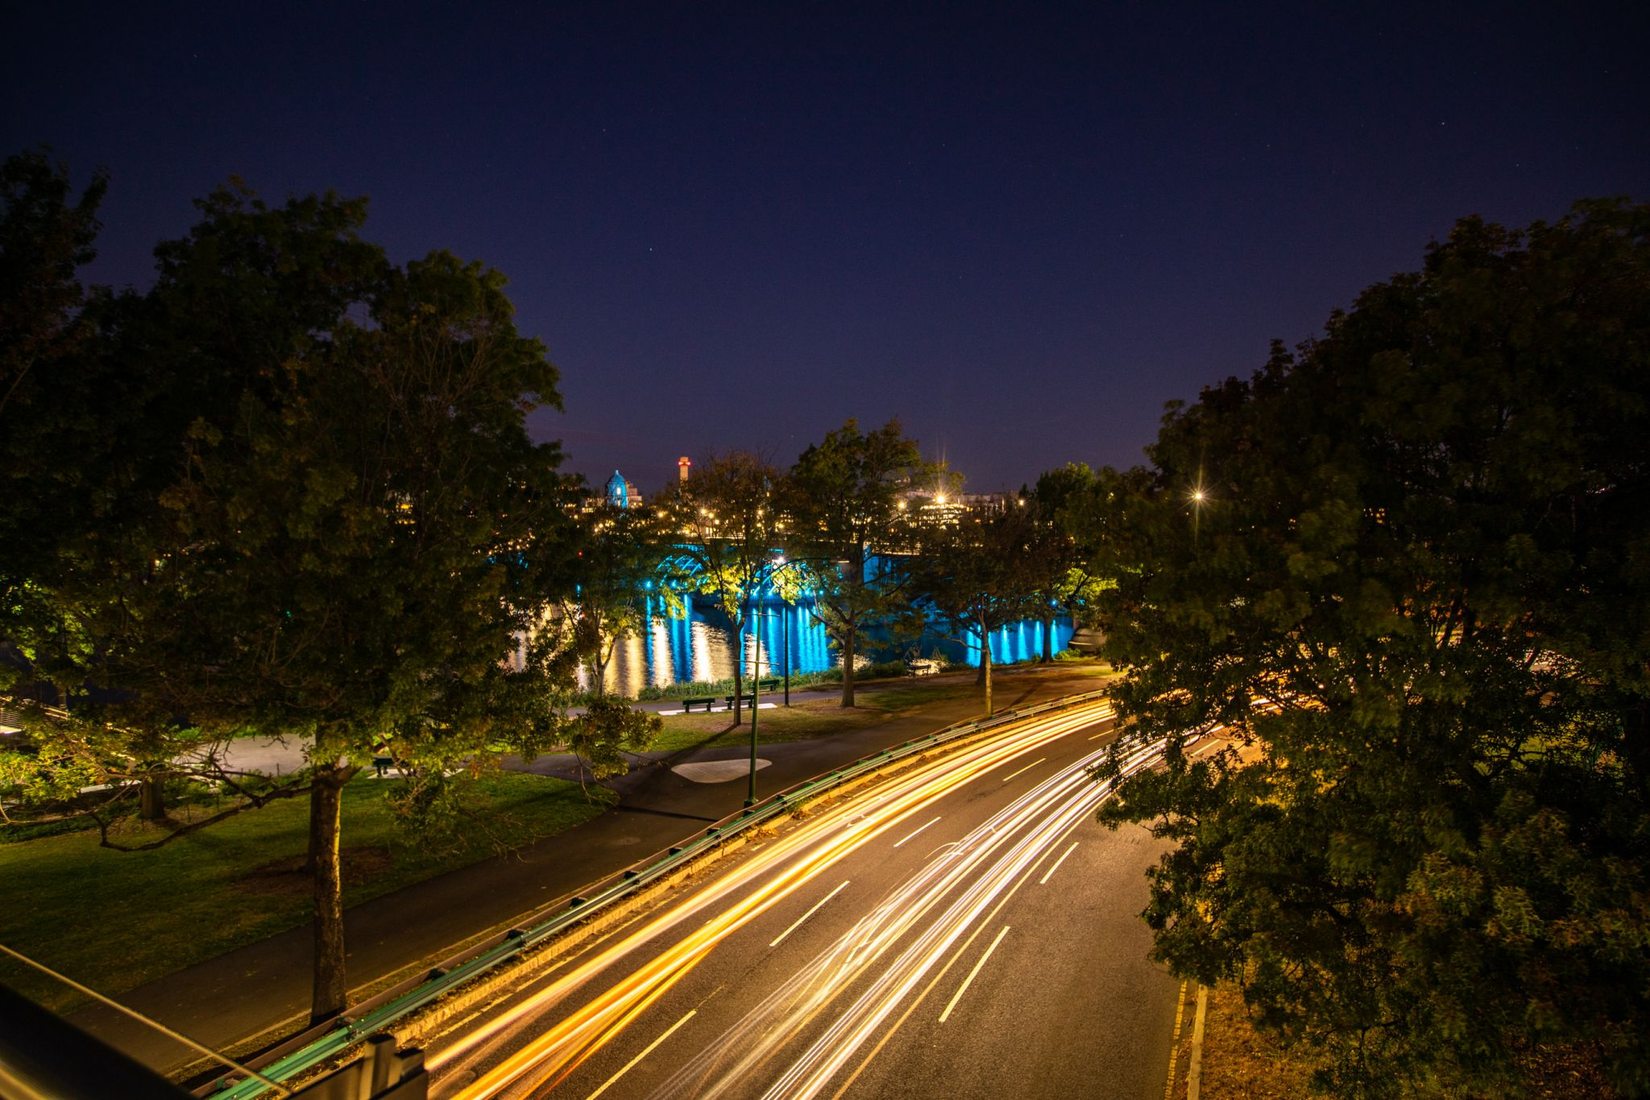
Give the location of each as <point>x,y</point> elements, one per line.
<point>698,645</point>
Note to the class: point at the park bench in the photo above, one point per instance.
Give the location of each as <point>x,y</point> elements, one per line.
<point>689,704</point>
<point>768,688</point>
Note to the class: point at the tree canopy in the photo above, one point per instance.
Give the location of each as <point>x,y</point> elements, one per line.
<point>329,521</point>
<point>842,500</point>
<point>977,575</point>
<point>1405,567</point>
<point>728,509</point>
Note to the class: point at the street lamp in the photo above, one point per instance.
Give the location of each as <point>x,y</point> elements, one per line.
<point>1198,496</point>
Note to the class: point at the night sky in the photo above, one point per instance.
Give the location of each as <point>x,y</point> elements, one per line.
<point>1021,230</point>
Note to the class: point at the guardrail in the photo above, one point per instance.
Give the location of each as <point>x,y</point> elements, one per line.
<point>331,1039</point>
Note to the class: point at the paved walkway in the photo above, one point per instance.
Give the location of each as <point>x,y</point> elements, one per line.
<point>661,801</point>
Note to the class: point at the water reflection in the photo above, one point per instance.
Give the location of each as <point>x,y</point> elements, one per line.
<point>700,647</point>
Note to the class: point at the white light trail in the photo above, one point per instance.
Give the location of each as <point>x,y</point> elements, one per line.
<point>733,900</point>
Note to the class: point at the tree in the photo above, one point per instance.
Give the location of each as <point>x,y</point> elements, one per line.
<point>1419,541</point>
<point>1068,502</point>
<point>104,437</point>
<point>607,730</point>
<point>367,547</point>
<point>339,528</point>
<point>46,235</point>
<point>726,512</point>
<point>975,574</point>
<point>622,569</point>
<point>45,238</point>
<point>842,502</point>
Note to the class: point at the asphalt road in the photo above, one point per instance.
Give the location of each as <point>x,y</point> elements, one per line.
<point>963,929</point>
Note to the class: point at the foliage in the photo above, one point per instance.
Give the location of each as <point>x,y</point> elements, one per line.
<point>842,504</point>
<point>608,729</point>
<point>46,235</point>
<point>622,576</point>
<point>328,521</point>
<point>1421,542</point>
<point>727,513</point>
<point>975,575</point>
<point>1065,502</point>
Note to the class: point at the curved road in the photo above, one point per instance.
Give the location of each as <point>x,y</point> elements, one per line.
<point>963,928</point>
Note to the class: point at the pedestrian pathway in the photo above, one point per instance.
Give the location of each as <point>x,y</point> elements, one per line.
<point>266,985</point>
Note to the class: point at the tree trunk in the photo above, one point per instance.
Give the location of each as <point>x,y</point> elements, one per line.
<point>985,666</point>
<point>325,828</point>
<point>1048,639</point>
<point>849,640</point>
<point>152,797</point>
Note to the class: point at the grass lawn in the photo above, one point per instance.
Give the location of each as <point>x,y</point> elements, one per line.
<point>803,720</point>
<point>798,722</point>
<point>115,920</point>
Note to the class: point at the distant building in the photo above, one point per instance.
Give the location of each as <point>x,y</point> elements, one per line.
<point>684,468</point>
<point>620,493</point>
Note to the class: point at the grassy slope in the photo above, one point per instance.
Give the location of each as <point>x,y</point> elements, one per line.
<point>115,919</point>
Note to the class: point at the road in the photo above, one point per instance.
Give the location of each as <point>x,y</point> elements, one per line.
<point>964,928</point>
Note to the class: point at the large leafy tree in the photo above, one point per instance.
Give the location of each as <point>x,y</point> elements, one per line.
<point>843,503</point>
<point>46,236</point>
<point>101,434</point>
<point>623,574</point>
<point>333,525</point>
<point>47,334</point>
<point>726,515</point>
<point>1420,542</point>
<point>368,545</point>
<point>978,575</point>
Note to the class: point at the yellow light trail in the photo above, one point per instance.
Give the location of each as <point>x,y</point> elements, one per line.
<point>767,878</point>
<point>981,871</point>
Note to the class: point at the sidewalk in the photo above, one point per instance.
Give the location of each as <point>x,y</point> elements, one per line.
<point>258,987</point>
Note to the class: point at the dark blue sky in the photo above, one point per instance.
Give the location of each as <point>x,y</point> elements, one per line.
<point>1019,229</point>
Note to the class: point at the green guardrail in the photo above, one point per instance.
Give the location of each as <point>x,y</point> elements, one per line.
<point>305,1052</point>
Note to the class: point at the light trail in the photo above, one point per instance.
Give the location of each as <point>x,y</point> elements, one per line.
<point>732,901</point>
<point>987,867</point>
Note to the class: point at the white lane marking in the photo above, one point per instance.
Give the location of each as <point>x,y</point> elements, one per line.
<point>1044,880</point>
<point>920,828</point>
<point>808,914</point>
<point>970,979</point>
<point>630,1065</point>
<point>1025,769</point>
